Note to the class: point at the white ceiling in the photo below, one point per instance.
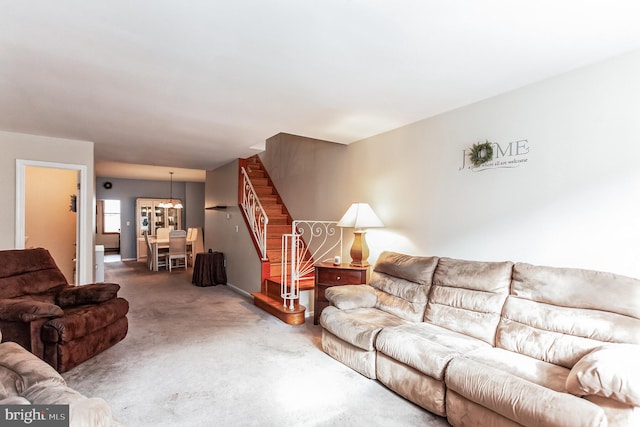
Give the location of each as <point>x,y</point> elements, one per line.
<point>194,84</point>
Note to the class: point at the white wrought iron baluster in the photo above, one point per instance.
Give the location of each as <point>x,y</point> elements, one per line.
<point>289,285</point>
<point>322,238</point>
<point>284,272</point>
<point>255,213</point>
<point>294,285</point>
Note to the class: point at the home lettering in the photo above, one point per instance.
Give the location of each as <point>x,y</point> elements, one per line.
<point>516,150</point>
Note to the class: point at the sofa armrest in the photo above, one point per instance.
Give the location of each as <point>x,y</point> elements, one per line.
<point>348,297</point>
<point>27,310</point>
<point>94,293</point>
<point>609,371</point>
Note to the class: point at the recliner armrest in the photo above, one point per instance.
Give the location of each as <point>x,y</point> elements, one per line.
<point>94,293</point>
<point>348,297</point>
<point>27,310</point>
<point>608,371</point>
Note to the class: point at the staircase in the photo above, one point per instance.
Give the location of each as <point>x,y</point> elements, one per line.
<point>279,223</point>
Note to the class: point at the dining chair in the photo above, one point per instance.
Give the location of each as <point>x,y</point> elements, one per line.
<point>162,253</point>
<point>192,235</point>
<point>177,248</point>
<point>149,250</point>
<point>162,233</point>
<point>198,244</point>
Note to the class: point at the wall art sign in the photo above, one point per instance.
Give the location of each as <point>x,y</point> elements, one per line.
<point>506,155</point>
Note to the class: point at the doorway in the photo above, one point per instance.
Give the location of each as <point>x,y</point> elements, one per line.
<point>50,214</point>
<point>108,220</point>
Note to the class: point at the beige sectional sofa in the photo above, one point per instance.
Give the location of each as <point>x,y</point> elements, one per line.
<point>494,343</point>
<point>27,380</point>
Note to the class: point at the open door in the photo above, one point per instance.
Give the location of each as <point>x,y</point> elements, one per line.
<point>49,213</point>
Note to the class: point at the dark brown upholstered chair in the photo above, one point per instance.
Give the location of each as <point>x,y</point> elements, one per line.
<point>62,324</point>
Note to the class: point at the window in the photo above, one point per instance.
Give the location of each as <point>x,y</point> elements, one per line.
<point>111,216</point>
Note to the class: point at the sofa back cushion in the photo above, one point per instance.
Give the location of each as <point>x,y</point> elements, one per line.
<point>402,284</point>
<point>467,296</point>
<point>560,314</point>
<point>28,271</point>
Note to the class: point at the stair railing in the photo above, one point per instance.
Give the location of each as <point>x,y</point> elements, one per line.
<point>255,213</point>
<point>308,243</point>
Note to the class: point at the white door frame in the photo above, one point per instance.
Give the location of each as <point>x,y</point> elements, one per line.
<point>82,275</point>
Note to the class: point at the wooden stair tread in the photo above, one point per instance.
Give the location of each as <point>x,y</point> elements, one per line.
<point>306,283</point>
<point>275,307</point>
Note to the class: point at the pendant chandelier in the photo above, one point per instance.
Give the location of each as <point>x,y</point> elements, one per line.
<point>170,203</point>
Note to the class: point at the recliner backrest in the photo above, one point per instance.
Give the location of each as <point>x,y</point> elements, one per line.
<point>402,284</point>
<point>560,314</point>
<point>27,272</point>
<point>467,296</point>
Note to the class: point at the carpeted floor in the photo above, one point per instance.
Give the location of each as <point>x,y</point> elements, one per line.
<point>208,357</point>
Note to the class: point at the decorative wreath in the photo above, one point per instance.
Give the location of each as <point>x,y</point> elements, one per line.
<point>481,153</point>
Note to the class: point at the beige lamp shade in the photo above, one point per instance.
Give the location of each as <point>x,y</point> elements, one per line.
<point>360,216</point>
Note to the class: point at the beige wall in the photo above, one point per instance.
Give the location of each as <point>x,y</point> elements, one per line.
<point>40,148</point>
<point>49,223</point>
<point>243,263</point>
<point>575,203</point>
<point>311,175</point>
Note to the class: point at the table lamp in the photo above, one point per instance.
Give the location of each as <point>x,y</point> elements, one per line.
<point>360,216</point>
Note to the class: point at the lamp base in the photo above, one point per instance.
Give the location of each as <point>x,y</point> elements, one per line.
<point>362,264</point>
<point>359,250</point>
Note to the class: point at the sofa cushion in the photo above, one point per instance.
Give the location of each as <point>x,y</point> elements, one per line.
<point>559,314</point>
<point>83,320</point>
<point>408,267</point>
<point>83,411</point>
<point>425,347</point>
<point>467,296</point>
<point>14,400</point>
<point>20,370</point>
<point>348,297</point>
<point>358,327</point>
<point>362,361</point>
<point>506,393</point>
<point>533,370</point>
<point>423,390</point>
<point>402,284</point>
<point>618,414</point>
<point>608,371</point>
<point>25,379</point>
<point>93,293</point>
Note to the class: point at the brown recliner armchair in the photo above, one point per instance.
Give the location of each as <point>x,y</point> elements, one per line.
<point>62,324</point>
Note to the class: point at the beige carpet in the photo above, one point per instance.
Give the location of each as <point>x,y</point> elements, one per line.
<point>208,357</point>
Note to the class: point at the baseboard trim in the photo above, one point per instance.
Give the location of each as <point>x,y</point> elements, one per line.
<point>240,291</point>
